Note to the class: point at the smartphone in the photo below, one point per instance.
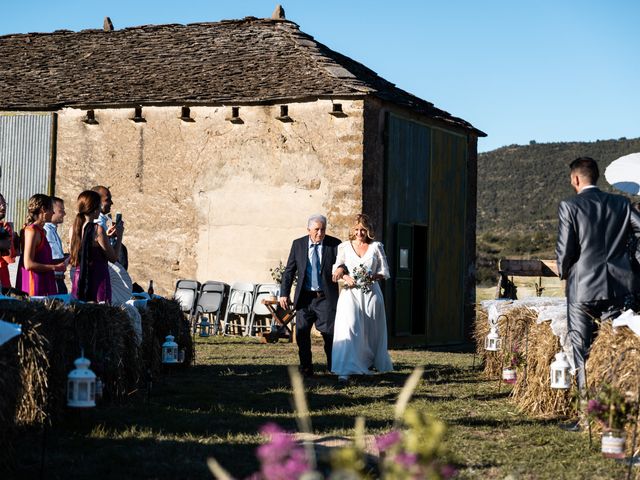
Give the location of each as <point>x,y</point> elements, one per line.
<point>118,217</point>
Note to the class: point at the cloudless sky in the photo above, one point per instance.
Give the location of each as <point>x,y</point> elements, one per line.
<point>544,70</point>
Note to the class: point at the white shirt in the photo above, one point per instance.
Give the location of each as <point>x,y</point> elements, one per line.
<point>55,243</point>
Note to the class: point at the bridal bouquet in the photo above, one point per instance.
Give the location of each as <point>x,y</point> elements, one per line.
<point>363,278</point>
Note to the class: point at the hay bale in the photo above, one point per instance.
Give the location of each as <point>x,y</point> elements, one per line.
<point>532,393</point>
<point>106,336</point>
<point>30,362</point>
<point>614,359</point>
<point>23,368</point>
<point>53,337</point>
<point>512,326</point>
<point>164,317</point>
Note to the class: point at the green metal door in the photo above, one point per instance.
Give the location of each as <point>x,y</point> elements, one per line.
<point>403,276</point>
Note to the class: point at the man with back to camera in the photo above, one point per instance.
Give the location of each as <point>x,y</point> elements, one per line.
<point>311,258</point>
<point>51,229</point>
<point>593,232</point>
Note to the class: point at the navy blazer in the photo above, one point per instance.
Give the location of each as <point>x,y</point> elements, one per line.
<point>593,231</point>
<point>297,266</point>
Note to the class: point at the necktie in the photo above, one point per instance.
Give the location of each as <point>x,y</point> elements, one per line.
<point>315,268</point>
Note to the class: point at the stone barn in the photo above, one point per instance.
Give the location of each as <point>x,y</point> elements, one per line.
<point>218,140</point>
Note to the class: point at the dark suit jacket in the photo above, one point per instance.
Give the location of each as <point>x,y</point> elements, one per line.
<point>593,231</point>
<point>297,265</point>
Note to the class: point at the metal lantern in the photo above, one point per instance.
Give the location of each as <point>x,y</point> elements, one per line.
<point>204,326</point>
<point>81,385</point>
<point>170,350</point>
<point>493,342</point>
<point>560,371</point>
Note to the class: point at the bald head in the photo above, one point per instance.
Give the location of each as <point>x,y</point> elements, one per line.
<point>105,198</point>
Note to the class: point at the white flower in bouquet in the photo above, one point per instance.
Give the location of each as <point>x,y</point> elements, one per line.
<point>363,278</point>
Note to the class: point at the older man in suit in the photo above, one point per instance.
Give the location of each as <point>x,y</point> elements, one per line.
<point>311,259</point>
<point>593,232</point>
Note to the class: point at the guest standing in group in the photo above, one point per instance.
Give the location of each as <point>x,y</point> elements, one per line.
<point>105,219</point>
<point>7,255</point>
<point>36,268</point>
<point>91,251</point>
<point>593,233</point>
<point>360,332</point>
<point>57,251</point>
<point>311,258</point>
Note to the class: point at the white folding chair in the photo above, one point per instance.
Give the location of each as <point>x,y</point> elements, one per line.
<point>260,320</point>
<point>239,308</point>
<point>186,293</point>
<point>210,302</point>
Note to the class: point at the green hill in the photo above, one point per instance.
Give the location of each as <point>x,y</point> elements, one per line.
<point>519,187</point>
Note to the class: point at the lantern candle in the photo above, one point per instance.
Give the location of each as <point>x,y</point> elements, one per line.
<point>81,385</point>
<point>170,350</point>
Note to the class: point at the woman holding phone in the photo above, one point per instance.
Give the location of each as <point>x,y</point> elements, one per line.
<point>91,251</point>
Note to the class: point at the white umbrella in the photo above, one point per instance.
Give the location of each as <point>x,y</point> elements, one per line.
<point>624,173</point>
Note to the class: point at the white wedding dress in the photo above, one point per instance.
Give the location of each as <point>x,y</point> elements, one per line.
<point>360,331</point>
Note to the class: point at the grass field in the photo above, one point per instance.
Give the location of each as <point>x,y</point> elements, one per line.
<point>216,408</point>
<point>553,287</point>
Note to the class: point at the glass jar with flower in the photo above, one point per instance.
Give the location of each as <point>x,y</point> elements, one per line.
<point>513,359</point>
<point>613,410</point>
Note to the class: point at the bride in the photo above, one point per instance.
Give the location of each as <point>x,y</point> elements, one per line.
<point>360,331</point>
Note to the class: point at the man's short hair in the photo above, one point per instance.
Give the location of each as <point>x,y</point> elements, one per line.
<point>55,199</point>
<point>317,219</point>
<point>101,189</point>
<point>586,167</point>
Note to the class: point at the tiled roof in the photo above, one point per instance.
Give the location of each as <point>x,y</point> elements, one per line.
<point>228,62</point>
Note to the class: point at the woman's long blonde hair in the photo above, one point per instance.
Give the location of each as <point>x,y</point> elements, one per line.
<point>88,202</point>
<point>362,219</point>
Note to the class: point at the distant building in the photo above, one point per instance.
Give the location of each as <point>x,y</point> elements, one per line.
<point>219,139</point>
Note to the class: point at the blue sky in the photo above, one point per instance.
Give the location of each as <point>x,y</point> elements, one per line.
<point>520,71</point>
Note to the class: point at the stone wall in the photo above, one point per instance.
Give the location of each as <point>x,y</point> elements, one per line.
<point>211,199</point>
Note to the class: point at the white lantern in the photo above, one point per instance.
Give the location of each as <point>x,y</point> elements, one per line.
<point>81,385</point>
<point>560,371</point>
<point>493,342</point>
<point>170,350</point>
<point>204,326</point>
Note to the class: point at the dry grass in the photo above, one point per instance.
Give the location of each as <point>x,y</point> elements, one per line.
<point>532,393</point>
<point>614,359</point>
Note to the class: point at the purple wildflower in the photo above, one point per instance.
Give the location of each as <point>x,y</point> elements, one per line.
<point>595,407</point>
<point>407,460</point>
<point>388,440</point>
<point>448,471</point>
<point>281,458</point>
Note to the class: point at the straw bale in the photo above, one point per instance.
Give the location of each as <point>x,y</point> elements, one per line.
<point>53,337</point>
<point>512,327</point>
<point>532,392</point>
<point>614,359</point>
<point>164,317</point>
<point>106,336</point>
<point>29,361</point>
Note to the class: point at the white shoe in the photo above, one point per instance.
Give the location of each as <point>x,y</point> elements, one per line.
<point>343,378</point>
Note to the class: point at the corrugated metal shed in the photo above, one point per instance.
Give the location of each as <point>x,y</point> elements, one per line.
<point>26,160</point>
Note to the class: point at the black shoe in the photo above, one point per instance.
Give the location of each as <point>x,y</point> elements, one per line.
<point>571,426</point>
<point>306,372</point>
